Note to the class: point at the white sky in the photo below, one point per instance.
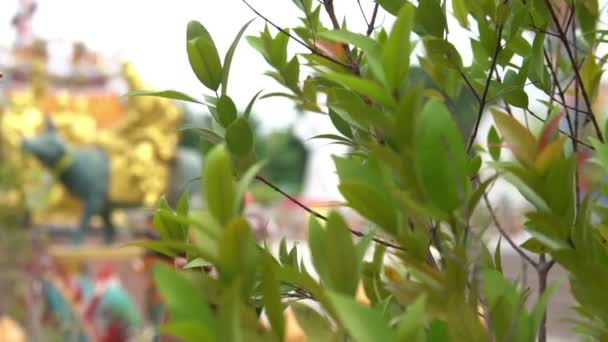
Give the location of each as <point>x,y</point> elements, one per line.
<point>151,34</point>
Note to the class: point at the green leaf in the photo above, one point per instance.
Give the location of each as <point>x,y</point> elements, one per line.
<point>438,331</point>
<point>442,52</point>
<point>440,158</point>
<point>168,248</point>
<point>430,18</point>
<point>244,183</point>
<point>197,263</point>
<point>362,323</point>
<point>315,326</point>
<point>372,50</point>
<point>342,258</point>
<point>474,166</point>
<point>364,87</point>
<point>278,50</point>
<point>341,125</point>
<point>516,97</point>
<point>168,94</point>
<point>230,313</point>
<point>291,74</point>
<point>195,30</point>
<point>478,193</point>
<point>247,111</point>
<point>229,56</point>
<point>397,48</point>
<point>587,14</point>
<point>318,249</point>
<point>238,255</point>
<point>591,74</point>
<point>459,7</point>
<point>370,203</point>
<point>497,256</point>
<point>226,110</point>
<point>184,301</point>
<point>206,134</point>
<point>412,323</point>
<point>183,206</point>
<point>518,138</point>
<point>534,246</point>
<point>188,331</point>
<point>494,143</point>
<point>218,184</point>
<point>392,6</point>
<point>204,60</point>
<point>271,296</point>
<point>239,137</point>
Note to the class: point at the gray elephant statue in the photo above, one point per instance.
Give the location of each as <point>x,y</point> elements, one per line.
<point>85,173</point>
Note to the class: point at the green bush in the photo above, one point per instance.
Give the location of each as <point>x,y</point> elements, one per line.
<point>411,173</point>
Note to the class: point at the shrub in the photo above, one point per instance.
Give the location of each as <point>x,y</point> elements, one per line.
<point>414,172</point>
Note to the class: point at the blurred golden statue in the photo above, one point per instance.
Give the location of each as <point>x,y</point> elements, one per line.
<point>139,134</point>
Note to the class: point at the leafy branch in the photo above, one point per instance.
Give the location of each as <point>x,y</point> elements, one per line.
<point>482,101</point>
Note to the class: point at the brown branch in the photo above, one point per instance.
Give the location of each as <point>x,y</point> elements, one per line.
<point>319,215</point>
<point>574,63</point>
<point>571,107</point>
<point>562,95</point>
<point>577,175</point>
<point>370,26</point>
<point>578,141</point>
<point>362,12</point>
<point>482,102</point>
<point>466,80</point>
<point>505,235</point>
<point>329,8</point>
<point>313,50</point>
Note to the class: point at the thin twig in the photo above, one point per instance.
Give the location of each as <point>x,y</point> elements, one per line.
<point>466,80</point>
<point>312,29</point>
<point>574,63</point>
<point>577,176</point>
<point>319,215</point>
<point>482,102</point>
<point>313,50</point>
<point>578,141</point>
<point>370,26</point>
<point>560,90</point>
<point>329,8</point>
<point>587,113</point>
<point>370,29</point>
<point>504,233</point>
<point>363,12</point>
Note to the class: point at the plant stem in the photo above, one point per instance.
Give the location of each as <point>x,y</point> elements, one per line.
<point>482,102</point>
<point>542,271</point>
<point>321,216</point>
<point>313,50</point>
<point>329,8</point>
<point>573,62</point>
<point>505,235</point>
<point>580,142</point>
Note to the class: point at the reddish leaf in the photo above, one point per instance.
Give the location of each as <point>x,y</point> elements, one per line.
<point>550,129</point>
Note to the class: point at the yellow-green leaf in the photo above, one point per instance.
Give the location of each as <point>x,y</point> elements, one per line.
<point>397,48</point>
<point>517,137</point>
<point>239,137</point>
<point>552,151</point>
<point>218,184</point>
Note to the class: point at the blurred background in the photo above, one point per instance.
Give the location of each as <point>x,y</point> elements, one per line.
<point>71,61</point>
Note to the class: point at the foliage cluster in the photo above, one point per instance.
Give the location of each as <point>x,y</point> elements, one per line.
<point>411,173</point>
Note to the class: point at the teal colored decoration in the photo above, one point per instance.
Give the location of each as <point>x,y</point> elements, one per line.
<point>85,174</point>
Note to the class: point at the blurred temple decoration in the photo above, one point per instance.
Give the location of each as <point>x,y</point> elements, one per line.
<point>139,133</point>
